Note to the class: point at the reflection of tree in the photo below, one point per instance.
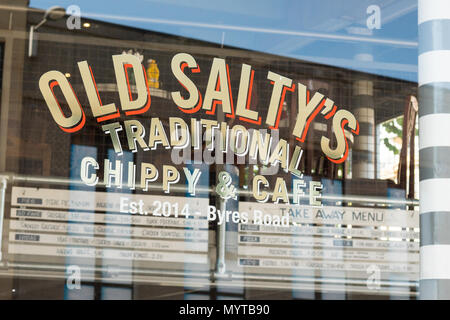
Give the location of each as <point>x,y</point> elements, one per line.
<point>395,127</point>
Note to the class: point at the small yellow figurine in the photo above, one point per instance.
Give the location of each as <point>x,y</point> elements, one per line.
<point>152,74</point>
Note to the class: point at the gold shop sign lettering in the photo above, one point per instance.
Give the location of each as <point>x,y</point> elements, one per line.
<point>218,93</point>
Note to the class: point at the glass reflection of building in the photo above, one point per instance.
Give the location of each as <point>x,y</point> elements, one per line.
<point>34,146</point>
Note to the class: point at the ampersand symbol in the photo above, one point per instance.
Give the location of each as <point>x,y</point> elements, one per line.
<point>224,189</point>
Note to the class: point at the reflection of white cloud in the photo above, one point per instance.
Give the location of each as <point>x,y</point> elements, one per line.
<point>358,64</point>
<point>359,31</point>
<point>264,9</point>
<point>314,35</point>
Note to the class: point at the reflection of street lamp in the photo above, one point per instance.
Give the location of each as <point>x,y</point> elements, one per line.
<point>52,13</point>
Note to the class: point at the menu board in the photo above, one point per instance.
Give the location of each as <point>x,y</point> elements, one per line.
<point>339,242</point>
<point>56,226</point>
<point>49,223</point>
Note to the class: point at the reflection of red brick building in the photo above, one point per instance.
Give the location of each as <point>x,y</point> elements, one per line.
<point>55,53</point>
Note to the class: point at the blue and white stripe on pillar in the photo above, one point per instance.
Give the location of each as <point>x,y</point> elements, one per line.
<point>434,142</point>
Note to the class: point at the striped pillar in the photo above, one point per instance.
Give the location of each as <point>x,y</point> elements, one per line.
<point>363,150</point>
<point>434,145</point>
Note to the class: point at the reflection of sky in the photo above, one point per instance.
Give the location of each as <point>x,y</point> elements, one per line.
<point>332,32</point>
